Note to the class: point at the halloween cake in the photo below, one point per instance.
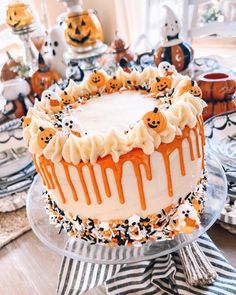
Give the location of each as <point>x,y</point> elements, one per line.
<point>121,157</point>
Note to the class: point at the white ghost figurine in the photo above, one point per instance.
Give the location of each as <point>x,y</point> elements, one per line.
<point>166,69</point>
<point>188,219</point>
<point>71,124</point>
<point>171,27</point>
<point>51,100</point>
<point>54,49</point>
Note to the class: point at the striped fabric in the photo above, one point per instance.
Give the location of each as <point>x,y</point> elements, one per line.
<point>164,275</point>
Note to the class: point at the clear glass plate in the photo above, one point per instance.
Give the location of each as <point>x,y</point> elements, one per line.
<point>82,250</point>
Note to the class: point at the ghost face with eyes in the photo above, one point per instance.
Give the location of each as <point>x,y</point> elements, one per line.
<point>170,28</point>
<point>54,48</point>
<point>71,125</point>
<point>166,69</point>
<point>187,218</point>
<point>51,100</point>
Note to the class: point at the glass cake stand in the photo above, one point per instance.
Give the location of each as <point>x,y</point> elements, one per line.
<point>83,251</point>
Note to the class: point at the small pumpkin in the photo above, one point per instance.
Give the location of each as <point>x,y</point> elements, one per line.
<point>44,77</point>
<point>67,98</point>
<point>113,85</point>
<point>97,79</point>
<point>190,86</point>
<point>8,70</point>
<point>25,121</point>
<point>179,55</point>
<point>161,84</point>
<point>83,29</point>
<point>217,90</point>
<point>44,136</point>
<point>155,120</point>
<point>19,15</point>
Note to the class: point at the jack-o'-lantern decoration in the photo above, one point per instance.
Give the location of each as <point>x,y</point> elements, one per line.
<point>160,85</point>
<point>67,98</point>
<point>25,121</point>
<point>155,120</point>
<point>97,79</point>
<point>190,86</point>
<point>44,136</point>
<point>19,15</point>
<point>173,49</point>
<point>121,51</point>
<point>218,91</point>
<point>8,71</point>
<point>83,29</point>
<point>113,85</point>
<point>44,77</point>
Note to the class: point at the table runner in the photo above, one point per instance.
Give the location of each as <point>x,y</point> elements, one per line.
<point>164,275</point>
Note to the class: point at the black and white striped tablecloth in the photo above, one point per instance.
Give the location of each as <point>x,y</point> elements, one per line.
<point>162,275</point>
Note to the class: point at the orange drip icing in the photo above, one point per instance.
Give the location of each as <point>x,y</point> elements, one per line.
<point>44,163</point>
<point>190,143</point>
<point>42,168</point>
<point>57,183</point>
<point>81,177</point>
<point>201,132</point>
<point>137,158</point>
<point>65,166</point>
<point>95,185</point>
<point>38,169</point>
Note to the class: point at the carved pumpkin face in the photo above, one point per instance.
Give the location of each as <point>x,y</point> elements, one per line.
<point>113,85</point>
<point>83,29</point>
<point>161,84</point>
<point>189,86</point>
<point>19,15</point>
<point>44,136</point>
<point>67,98</point>
<point>25,121</point>
<point>155,120</point>
<point>196,91</point>
<point>97,79</point>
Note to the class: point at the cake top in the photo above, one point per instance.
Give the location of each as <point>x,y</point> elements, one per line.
<point>111,115</point>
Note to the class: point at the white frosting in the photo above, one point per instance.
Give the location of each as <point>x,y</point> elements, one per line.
<point>111,123</point>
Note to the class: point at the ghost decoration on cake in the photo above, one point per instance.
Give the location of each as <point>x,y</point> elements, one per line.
<point>51,100</point>
<point>173,49</point>
<point>71,124</point>
<point>54,49</point>
<point>166,69</point>
<point>188,219</point>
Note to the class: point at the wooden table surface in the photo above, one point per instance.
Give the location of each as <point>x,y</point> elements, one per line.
<point>27,267</point>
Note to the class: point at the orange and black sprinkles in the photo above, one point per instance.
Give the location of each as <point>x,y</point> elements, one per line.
<point>134,231</point>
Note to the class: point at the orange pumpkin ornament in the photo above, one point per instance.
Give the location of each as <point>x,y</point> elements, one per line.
<point>8,70</point>
<point>113,85</point>
<point>44,77</point>
<point>155,120</point>
<point>44,136</point>
<point>83,29</point>
<point>19,15</point>
<point>25,121</point>
<point>97,79</point>
<point>217,90</point>
<point>161,84</point>
<point>190,86</point>
<point>67,98</point>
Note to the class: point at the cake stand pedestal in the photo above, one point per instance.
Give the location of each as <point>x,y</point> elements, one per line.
<point>83,251</point>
